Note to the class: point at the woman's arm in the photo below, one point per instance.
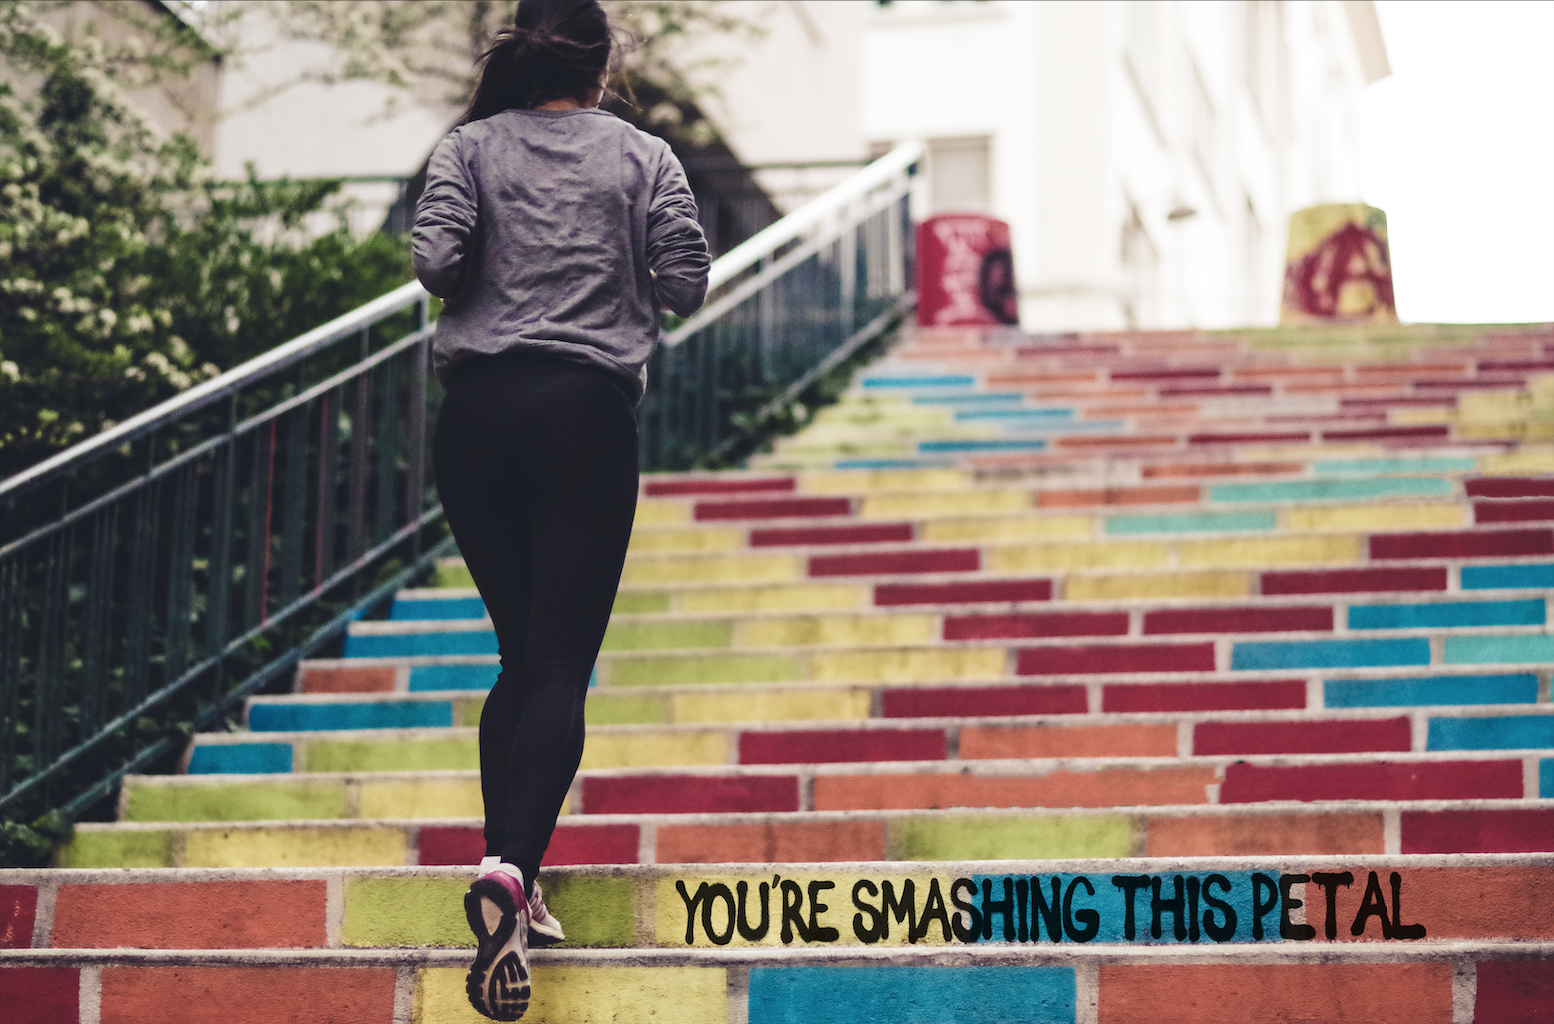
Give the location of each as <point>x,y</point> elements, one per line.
<point>676,248</point>
<point>444,220</point>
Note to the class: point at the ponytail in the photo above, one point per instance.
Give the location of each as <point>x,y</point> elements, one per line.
<point>554,49</point>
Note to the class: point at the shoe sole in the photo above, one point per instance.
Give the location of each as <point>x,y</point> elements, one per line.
<point>498,982</point>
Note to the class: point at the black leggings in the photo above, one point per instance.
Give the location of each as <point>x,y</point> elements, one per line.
<point>536,464</point>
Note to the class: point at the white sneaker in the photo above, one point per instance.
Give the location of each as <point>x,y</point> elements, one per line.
<point>544,929</point>
<point>498,914</point>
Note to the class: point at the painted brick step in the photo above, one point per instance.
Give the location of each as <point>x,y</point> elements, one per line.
<point>1475,982</point>
<point>1353,827</point>
<point>1355,902</point>
<point>329,747</point>
<point>905,785</point>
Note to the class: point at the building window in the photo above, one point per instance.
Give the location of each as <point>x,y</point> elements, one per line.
<point>960,175</point>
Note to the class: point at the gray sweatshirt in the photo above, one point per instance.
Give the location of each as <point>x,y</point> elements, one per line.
<point>555,231</point>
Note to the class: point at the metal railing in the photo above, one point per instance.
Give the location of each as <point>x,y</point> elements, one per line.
<point>783,309</point>
<point>154,575</point>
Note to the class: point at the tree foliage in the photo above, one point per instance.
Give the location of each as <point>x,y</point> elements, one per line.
<point>127,274</point>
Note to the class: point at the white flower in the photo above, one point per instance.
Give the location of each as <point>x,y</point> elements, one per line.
<point>11,370</point>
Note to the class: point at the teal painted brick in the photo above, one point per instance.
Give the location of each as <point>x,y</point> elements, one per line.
<point>1281,654</point>
<point>366,714</point>
<point>1325,490</point>
<point>1016,414</point>
<point>925,381</point>
<point>1515,688</point>
<point>1366,467</point>
<point>1546,777</point>
<point>1192,522</point>
<point>240,759</point>
<point>985,445</point>
<point>1510,732</point>
<point>425,678</point>
<point>912,995</point>
<point>1499,650</point>
<point>431,609</point>
<point>1508,577</point>
<point>1446,614</point>
<point>976,398</point>
<point>410,645</point>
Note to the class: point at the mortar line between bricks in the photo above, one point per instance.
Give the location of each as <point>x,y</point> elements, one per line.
<point>90,997</point>
<point>737,987</point>
<point>404,993</point>
<point>1087,993</point>
<point>334,908</point>
<point>1392,831</point>
<point>1464,990</point>
<point>43,912</point>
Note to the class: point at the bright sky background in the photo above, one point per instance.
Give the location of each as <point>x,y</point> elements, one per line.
<point>1458,149</point>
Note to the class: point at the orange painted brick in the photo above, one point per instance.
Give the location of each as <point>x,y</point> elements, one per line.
<point>1268,993</point>
<point>1105,788</point>
<point>1117,496</point>
<point>248,995</point>
<point>1211,469</point>
<point>1256,835</point>
<point>771,842</point>
<point>1118,441</point>
<point>190,915</point>
<point>982,743</point>
<point>1452,903</point>
<point>368,679</point>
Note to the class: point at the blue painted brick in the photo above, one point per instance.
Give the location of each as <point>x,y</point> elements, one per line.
<point>1509,732</point>
<point>974,398</point>
<point>935,381</point>
<point>424,678</point>
<point>409,645</point>
<point>885,463</point>
<point>1508,577</point>
<point>1516,688</point>
<point>1192,522</point>
<point>1014,414</point>
<point>1367,467</point>
<point>366,714</point>
<point>431,609</point>
<point>1323,490</point>
<point>1446,614</point>
<point>991,444</point>
<point>1546,778</point>
<point>1281,654</point>
<point>912,995</point>
<point>240,759</point>
<point>1500,650</point>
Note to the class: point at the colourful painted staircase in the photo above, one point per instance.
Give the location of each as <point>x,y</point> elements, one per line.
<point>1104,678</point>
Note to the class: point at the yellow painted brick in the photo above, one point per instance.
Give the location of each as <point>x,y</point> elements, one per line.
<point>771,706</point>
<point>838,630</point>
<point>909,666</point>
<point>1096,555</point>
<point>421,798</point>
<point>1420,415</point>
<point>1263,552</point>
<point>932,505</point>
<point>856,481</point>
<point>293,847</point>
<point>652,541</point>
<point>654,749</point>
<point>566,994</point>
<point>1525,461</point>
<point>992,529</point>
<point>1131,586</point>
<point>724,569</point>
<point>817,597</point>
<point>1437,515</point>
<point>662,513</point>
<point>1283,453</point>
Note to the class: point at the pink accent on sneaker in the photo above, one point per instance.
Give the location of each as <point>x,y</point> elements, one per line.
<point>498,914</point>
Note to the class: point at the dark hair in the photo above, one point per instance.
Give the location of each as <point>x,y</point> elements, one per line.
<point>555,49</point>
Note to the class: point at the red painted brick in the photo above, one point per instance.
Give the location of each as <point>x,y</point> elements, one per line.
<point>1227,389</point>
<point>40,995</point>
<point>1241,696</point>
<point>1511,487</point>
<point>18,907</point>
<point>1418,780</point>
<point>1354,581</point>
<point>1118,441</point>
<point>1250,438</point>
<point>247,995</point>
<point>773,508</point>
<point>829,746</point>
<point>181,915</point>
<point>771,842</point>
<point>910,561</point>
<point>871,533</point>
<point>716,485</point>
<point>1380,433</point>
<point>989,627</point>
<point>1355,736</point>
<point>367,679</point>
<point>1514,992</point>
<point>1240,620</point>
<point>969,592</point>
<point>1523,830</point>
<point>1512,366</point>
<point>570,844</point>
<point>1212,469</point>
<point>689,794</point>
<point>1159,495</point>
<point>1316,993</point>
<point>1513,511</point>
<point>1499,382</point>
<point>1463,544</point>
<point>1400,401</point>
<point>1057,661</point>
<point>453,844</point>
<point>1186,373</point>
<point>984,701</point>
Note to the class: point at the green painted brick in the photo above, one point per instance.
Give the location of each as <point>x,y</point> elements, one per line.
<point>466,711</point>
<point>641,603</point>
<point>624,709</point>
<point>271,800</point>
<point>405,912</point>
<point>593,911</point>
<point>118,850</point>
<point>651,636</point>
<point>452,574</point>
<point>1011,838</point>
<point>1499,650</point>
<point>750,668</point>
<point>392,755</point>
